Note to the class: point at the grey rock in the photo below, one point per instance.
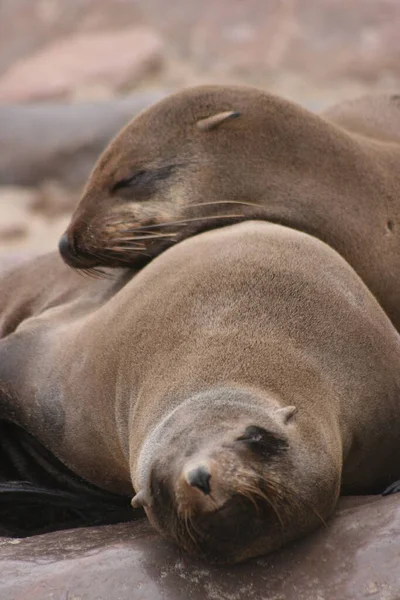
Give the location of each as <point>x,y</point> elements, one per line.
<point>61,141</point>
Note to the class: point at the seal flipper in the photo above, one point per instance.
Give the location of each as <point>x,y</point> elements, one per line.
<point>27,509</point>
<point>39,494</point>
<point>393,488</point>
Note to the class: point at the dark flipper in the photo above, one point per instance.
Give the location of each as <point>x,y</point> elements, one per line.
<point>26,509</point>
<point>39,494</point>
<point>393,488</point>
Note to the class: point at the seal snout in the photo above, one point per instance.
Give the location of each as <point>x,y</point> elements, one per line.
<point>64,246</point>
<point>200,477</point>
<point>72,254</point>
<point>194,490</point>
<point>67,249</point>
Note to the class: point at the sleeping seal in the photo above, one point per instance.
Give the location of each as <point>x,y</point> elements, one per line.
<point>213,155</point>
<point>235,386</point>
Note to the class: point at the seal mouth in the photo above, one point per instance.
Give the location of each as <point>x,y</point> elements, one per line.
<point>128,239</point>
<point>222,536</point>
<point>225,535</point>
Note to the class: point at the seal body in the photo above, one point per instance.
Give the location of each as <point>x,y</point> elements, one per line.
<point>235,385</point>
<point>210,156</point>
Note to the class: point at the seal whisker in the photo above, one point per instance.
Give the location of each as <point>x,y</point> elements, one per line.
<point>80,272</point>
<point>90,272</point>
<point>94,272</point>
<point>181,528</point>
<point>119,241</point>
<point>154,236</point>
<point>147,231</point>
<point>293,501</point>
<point>249,497</point>
<point>316,513</point>
<point>211,497</point>
<point>258,493</point>
<point>127,247</point>
<point>118,254</point>
<point>184,221</point>
<point>199,534</point>
<point>188,525</point>
<point>146,237</point>
<point>283,494</point>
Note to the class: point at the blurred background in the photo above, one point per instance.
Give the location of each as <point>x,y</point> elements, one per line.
<point>72,72</point>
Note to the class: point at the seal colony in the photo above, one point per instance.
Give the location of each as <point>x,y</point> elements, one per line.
<point>235,385</point>
<point>214,155</point>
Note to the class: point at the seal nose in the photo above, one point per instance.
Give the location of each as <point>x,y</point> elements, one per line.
<point>200,478</point>
<point>73,254</point>
<point>65,247</point>
<point>69,252</point>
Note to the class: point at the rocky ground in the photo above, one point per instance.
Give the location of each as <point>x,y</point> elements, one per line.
<point>355,557</point>
<point>71,73</point>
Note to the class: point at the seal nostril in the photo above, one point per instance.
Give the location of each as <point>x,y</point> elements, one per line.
<point>200,478</point>
<point>74,255</point>
<point>64,246</point>
<point>68,250</point>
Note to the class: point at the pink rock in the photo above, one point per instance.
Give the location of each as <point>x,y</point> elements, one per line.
<point>109,59</point>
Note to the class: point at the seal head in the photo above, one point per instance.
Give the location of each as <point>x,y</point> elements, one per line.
<point>213,155</point>
<point>218,476</point>
<point>210,156</point>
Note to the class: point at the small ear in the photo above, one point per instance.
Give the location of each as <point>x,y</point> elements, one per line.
<point>212,122</point>
<point>286,413</point>
<point>139,500</point>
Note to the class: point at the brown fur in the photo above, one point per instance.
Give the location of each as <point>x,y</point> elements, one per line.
<point>51,285</point>
<point>144,380</point>
<point>335,176</point>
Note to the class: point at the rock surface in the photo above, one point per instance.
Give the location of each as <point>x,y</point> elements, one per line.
<point>105,61</point>
<point>301,48</point>
<point>31,220</point>
<point>356,557</point>
<point>61,141</point>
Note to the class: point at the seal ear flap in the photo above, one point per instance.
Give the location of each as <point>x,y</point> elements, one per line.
<point>140,500</point>
<point>212,122</point>
<point>286,413</point>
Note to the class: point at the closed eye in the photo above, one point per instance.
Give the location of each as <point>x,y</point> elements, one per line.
<point>144,179</point>
<point>128,181</point>
<point>262,442</point>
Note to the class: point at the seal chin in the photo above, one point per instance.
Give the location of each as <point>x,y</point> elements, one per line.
<point>228,534</point>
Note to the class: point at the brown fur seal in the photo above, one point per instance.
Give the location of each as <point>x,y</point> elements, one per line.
<point>237,383</point>
<point>209,156</point>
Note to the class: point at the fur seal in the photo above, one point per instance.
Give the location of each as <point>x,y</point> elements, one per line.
<point>214,155</point>
<point>237,383</point>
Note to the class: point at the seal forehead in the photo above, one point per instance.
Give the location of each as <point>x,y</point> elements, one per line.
<point>189,105</point>
<point>167,129</point>
<point>159,133</point>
